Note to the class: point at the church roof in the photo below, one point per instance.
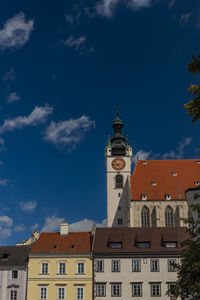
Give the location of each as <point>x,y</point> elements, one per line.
<point>156,179</point>
<point>53,242</point>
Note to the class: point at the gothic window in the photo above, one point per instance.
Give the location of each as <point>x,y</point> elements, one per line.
<point>119,182</point>
<point>145,217</point>
<point>169,217</point>
<point>154,217</point>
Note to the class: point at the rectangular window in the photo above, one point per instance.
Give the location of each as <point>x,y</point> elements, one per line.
<point>120,221</point>
<point>136,289</point>
<point>155,289</point>
<point>14,274</point>
<point>136,265</point>
<point>171,245</point>
<point>171,265</point>
<point>100,289</point>
<point>43,293</point>
<point>80,269</point>
<point>99,266</point>
<point>171,289</point>
<point>116,290</point>
<point>115,265</point>
<point>62,268</point>
<point>154,265</point>
<point>13,295</point>
<point>116,245</point>
<point>79,293</point>
<point>44,268</point>
<point>144,245</point>
<point>61,293</point>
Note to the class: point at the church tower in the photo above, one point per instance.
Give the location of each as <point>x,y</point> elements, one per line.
<point>118,164</point>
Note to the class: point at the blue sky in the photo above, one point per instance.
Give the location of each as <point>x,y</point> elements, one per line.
<point>65,66</point>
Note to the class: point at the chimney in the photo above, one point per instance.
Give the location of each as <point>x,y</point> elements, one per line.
<point>64,228</point>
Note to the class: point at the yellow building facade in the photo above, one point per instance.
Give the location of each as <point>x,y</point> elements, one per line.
<point>64,271</point>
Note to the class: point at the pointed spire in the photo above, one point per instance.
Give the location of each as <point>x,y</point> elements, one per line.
<point>117,113</point>
<point>109,142</point>
<point>127,140</point>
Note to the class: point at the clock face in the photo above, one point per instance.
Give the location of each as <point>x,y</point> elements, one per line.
<point>118,163</point>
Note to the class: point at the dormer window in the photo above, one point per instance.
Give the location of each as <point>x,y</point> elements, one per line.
<point>168,196</point>
<point>171,245</point>
<point>174,173</point>
<point>198,161</point>
<point>154,183</point>
<point>144,245</point>
<point>144,162</point>
<point>116,245</point>
<point>197,183</point>
<point>144,197</point>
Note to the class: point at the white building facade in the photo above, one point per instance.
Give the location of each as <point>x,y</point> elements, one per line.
<point>131,263</point>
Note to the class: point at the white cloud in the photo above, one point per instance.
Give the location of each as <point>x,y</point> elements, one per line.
<point>20,228</point>
<point>5,228</point>
<point>6,221</point>
<point>75,42</point>
<point>13,97</point>
<point>86,225</point>
<point>137,4</point>
<point>69,131</point>
<point>52,224</point>
<point>4,182</point>
<point>28,206</point>
<point>16,32</point>
<point>10,75</point>
<point>106,8</point>
<point>185,18</point>
<point>178,153</point>
<point>38,115</point>
<point>141,155</point>
<point>171,3</point>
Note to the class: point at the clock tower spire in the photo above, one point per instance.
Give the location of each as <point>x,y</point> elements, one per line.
<point>118,163</point>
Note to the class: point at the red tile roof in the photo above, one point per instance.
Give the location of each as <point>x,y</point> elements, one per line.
<point>52,242</point>
<point>187,171</point>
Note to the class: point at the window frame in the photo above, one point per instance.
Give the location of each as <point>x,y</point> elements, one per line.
<point>119,184</point>
<point>155,284</point>
<point>82,294</point>
<point>11,274</point>
<point>113,266</point>
<point>138,284</point>
<point>64,289</point>
<point>46,293</point>
<point>145,217</point>
<point>77,268</point>
<point>11,296</point>
<point>152,265</point>
<point>171,268</point>
<point>102,284</point>
<point>120,289</point>
<point>41,268</point>
<point>59,268</point>
<point>138,269</point>
<point>96,264</point>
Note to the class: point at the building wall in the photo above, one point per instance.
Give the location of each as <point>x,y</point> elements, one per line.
<point>53,280</point>
<point>126,276</point>
<point>115,196</point>
<point>7,284</point>
<point>180,209</point>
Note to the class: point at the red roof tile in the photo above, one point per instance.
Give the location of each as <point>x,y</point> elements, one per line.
<point>187,171</point>
<point>52,242</point>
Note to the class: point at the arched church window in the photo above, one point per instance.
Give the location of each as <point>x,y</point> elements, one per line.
<point>177,217</point>
<point>145,217</point>
<point>119,181</point>
<point>169,217</point>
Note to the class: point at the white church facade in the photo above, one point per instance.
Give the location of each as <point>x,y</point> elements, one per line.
<point>154,194</point>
